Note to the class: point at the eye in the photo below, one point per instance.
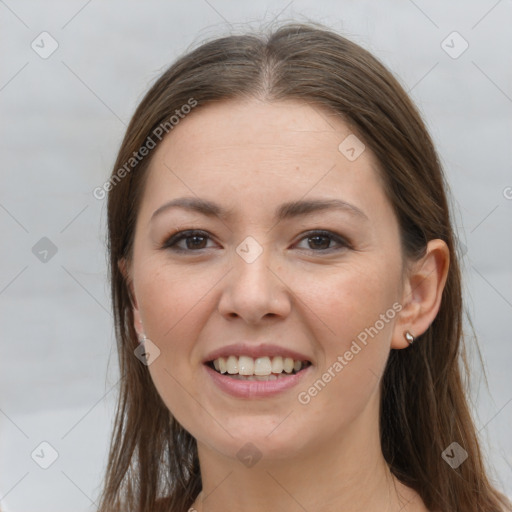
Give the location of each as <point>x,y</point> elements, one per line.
<point>194,240</point>
<point>320,241</point>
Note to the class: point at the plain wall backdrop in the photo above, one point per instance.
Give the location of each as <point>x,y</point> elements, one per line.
<point>71,76</point>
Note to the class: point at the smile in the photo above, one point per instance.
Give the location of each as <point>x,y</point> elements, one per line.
<point>261,377</point>
<point>260,368</point>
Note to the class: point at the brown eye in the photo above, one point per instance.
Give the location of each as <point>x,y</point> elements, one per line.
<point>194,240</point>
<point>320,241</point>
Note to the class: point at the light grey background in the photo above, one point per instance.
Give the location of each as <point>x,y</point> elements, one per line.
<point>63,118</point>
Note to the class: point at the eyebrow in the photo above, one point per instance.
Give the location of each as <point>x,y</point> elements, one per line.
<point>285,211</point>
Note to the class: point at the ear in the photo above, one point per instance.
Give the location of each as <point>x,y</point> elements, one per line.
<point>422,293</point>
<point>124,268</point>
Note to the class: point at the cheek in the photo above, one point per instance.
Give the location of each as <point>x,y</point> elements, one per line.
<point>352,360</point>
<point>171,302</point>
<point>169,299</point>
<point>348,299</point>
<point>355,309</point>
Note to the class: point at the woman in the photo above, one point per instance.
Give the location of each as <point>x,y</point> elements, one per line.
<point>286,291</point>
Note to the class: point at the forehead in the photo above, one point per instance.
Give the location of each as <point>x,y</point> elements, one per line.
<point>266,152</point>
<point>288,129</point>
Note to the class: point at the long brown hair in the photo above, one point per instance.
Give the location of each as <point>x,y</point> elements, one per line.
<point>424,397</point>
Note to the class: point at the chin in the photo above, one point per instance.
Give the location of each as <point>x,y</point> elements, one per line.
<point>259,441</point>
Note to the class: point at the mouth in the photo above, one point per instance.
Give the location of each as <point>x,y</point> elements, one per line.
<point>264,368</point>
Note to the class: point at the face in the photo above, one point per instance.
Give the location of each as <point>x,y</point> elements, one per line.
<point>319,285</point>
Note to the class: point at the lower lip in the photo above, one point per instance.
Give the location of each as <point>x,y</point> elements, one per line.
<point>255,388</point>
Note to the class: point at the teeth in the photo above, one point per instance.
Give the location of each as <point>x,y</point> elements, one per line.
<point>256,377</point>
<point>277,364</point>
<point>246,365</point>
<point>288,364</point>
<point>232,364</point>
<point>261,368</point>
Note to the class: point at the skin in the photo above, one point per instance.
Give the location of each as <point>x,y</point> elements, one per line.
<point>252,156</point>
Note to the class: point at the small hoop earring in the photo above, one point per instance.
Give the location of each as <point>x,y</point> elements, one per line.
<point>409,337</point>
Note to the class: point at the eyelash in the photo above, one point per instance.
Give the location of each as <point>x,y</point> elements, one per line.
<point>172,241</point>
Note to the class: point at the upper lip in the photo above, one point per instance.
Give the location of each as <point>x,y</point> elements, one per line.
<point>254,351</point>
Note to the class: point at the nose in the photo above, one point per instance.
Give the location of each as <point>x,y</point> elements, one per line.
<point>255,290</point>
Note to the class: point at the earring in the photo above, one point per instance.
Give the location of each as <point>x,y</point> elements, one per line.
<point>142,338</point>
<point>409,337</point>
